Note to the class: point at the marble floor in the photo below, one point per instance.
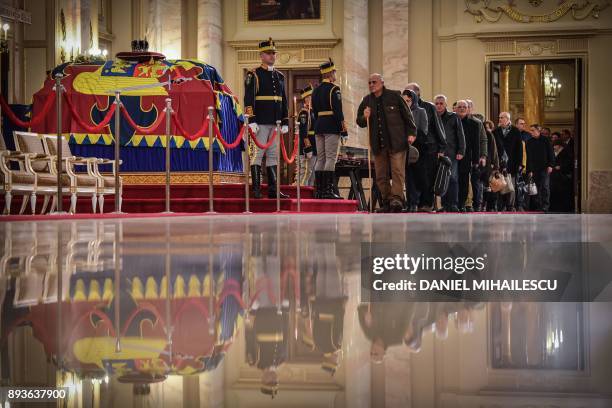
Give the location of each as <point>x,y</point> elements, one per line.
<point>229,311</point>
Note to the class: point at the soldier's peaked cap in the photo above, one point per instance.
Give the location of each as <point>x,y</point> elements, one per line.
<point>267,46</point>
<point>327,66</point>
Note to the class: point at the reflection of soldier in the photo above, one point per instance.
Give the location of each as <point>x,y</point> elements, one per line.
<point>326,307</point>
<point>266,335</point>
<point>266,324</point>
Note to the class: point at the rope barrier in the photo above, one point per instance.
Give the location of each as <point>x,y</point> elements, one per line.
<point>90,129</point>
<point>295,149</point>
<point>200,133</point>
<point>149,130</point>
<point>232,145</point>
<point>6,109</point>
<point>263,147</point>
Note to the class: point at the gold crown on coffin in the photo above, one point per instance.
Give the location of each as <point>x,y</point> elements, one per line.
<point>267,46</point>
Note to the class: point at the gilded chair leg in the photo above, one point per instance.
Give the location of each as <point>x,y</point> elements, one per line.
<point>7,203</point>
<point>24,203</point>
<point>73,203</point>
<point>33,203</point>
<point>101,203</point>
<point>94,202</point>
<point>53,204</point>
<point>45,203</point>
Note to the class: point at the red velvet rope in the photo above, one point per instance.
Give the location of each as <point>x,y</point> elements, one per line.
<point>232,145</point>
<point>6,109</point>
<point>263,147</point>
<point>181,130</point>
<point>91,129</point>
<point>150,130</point>
<point>295,149</point>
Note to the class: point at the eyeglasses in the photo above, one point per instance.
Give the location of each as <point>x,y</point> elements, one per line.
<point>372,82</point>
<point>461,107</point>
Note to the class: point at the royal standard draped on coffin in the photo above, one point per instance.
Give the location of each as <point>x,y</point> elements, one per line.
<point>90,87</point>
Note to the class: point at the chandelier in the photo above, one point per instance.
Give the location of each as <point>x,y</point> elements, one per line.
<point>552,87</point>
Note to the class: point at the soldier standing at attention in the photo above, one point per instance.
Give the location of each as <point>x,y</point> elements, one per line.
<point>308,151</point>
<point>329,127</point>
<point>265,101</point>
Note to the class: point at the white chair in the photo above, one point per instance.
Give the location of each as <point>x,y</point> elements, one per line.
<point>105,184</point>
<point>40,164</point>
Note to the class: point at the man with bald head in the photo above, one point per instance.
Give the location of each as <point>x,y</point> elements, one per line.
<point>430,147</point>
<point>392,130</point>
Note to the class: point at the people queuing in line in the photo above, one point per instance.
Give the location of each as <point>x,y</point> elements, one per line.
<point>536,164</point>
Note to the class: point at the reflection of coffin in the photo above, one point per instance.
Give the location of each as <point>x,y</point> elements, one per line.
<point>90,86</point>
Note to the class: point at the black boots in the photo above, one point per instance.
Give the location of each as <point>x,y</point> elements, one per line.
<point>326,189</point>
<point>271,170</point>
<point>256,180</point>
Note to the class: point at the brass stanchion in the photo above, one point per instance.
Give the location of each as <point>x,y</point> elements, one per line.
<point>247,169</point>
<point>211,142</point>
<point>278,166</point>
<point>117,151</point>
<point>168,139</point>
<point>58,102</point>
<point>370,167</point>
<point>299,168</point>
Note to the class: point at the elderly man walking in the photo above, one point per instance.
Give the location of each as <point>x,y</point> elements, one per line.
<point>392,129</point>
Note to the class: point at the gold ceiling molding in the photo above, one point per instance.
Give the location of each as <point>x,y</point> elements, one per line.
<point>493,10</point>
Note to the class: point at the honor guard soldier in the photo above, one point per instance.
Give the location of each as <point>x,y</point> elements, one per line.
<point>308,149</point>
<point>329,127</point>
<point>265,101</point>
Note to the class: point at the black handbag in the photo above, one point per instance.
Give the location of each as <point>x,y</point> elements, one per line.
<point>443,176</point>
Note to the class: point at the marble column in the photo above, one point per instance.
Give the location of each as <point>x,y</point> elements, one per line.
<point>355,69</point>
<point>210,33</point>
<point>164,28</point>
<point>395,43</point>
<point>89,25</point>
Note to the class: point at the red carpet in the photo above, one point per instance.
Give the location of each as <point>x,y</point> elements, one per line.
<point>193,198</point>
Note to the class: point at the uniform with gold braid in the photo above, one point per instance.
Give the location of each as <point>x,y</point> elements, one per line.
<point>265,102</point>
<point>329,127</point>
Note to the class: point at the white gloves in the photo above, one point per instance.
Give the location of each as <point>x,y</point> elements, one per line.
<point>254,127</point>
<point>284,129</point>
<point>309,155</point>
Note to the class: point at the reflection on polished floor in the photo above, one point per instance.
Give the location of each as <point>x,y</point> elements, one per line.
<point>266,311</point>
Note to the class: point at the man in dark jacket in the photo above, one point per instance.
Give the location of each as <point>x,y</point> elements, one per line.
<point>455,150</point>
<point>392,129</point>
<point>510,151</point>
<point>475,157</point>
<point>430,148</point>
<point>422,124</point>
<point>540,162</point>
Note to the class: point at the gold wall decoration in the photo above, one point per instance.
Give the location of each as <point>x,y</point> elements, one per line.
<point>492,11</point>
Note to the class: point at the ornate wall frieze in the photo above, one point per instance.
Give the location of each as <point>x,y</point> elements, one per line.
<point>303,52</point>
<point>493,10</point>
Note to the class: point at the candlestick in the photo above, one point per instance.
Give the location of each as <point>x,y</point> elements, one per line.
<point>294,105</point>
